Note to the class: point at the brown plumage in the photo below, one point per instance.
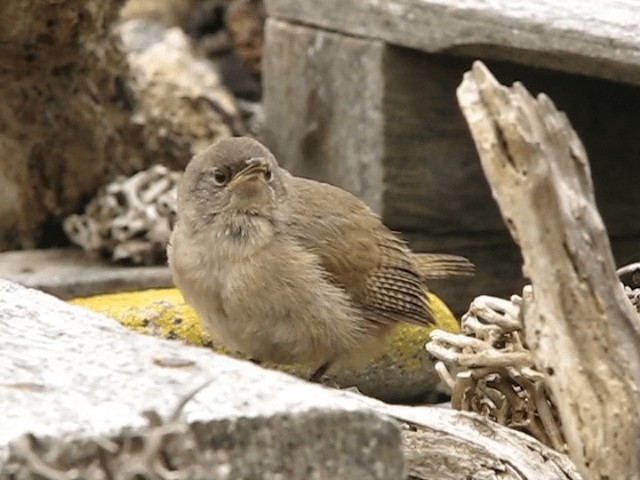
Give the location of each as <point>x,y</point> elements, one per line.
<point>291,270</point>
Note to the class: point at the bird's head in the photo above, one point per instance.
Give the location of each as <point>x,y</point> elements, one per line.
<point>234,177</point>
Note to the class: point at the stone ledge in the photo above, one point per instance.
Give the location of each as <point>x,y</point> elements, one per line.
<point>75,385</point>
<point>77,382</point>
<point>403,372</point>
<point>70,273</point>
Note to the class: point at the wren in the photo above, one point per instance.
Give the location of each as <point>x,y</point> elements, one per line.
<point>291,270</point>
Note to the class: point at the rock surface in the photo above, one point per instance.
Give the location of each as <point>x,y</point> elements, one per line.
<point>78,383</point>
<point>77,112</point>
<point>169,13</point>
<point>70,273</point>
<point>64,114</point>
<point>75,385</point>
<point>183,106</point>
<point>402,373</point>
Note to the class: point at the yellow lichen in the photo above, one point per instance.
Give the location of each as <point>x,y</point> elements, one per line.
<point>164,313</point>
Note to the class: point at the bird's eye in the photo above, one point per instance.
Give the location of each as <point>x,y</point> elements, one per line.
<point>220,177</point>
<point>268,175</point>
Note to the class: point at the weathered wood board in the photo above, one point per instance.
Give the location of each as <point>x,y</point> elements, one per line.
<point>579,324</point>
<point>598,38</point>
<point>362,95</point>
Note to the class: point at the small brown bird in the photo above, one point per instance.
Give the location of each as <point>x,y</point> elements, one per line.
<point>291,270</point>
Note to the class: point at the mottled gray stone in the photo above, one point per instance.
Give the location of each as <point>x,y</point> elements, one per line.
<point>78,383</point>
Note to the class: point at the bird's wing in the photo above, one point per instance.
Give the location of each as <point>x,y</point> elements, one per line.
<point>358,253</point>
<point>394,288</point>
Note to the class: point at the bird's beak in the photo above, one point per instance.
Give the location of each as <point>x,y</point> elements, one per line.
<point>255,166</point>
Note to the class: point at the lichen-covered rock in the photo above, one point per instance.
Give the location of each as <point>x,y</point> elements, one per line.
<point>76,111</point>
<point>403,372</point>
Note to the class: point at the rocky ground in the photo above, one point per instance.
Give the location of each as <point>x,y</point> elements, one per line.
<point>86,398</point>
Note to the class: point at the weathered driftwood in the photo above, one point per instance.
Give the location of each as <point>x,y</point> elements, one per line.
<point>75,385</point>
<point>581,329</point>
<point>445,444</point>
<point>492,371</point>
<point>592,38</point>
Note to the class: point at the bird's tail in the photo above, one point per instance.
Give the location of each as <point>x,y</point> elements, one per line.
<point>442,265</point>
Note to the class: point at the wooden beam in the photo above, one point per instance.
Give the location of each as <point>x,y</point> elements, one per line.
<point>593,38</point>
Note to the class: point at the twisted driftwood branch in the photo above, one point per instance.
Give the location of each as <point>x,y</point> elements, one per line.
<point>582,330</point>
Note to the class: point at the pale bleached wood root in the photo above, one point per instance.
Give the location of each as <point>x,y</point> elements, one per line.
<point>490,370</point>
<point>582,330</point>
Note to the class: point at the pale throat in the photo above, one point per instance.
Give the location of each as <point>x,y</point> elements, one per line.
<point>240,235</point>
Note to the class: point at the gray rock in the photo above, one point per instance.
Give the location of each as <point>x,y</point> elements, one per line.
<point>71,273</point>
<point>75,384</point>
<point>170,76</point>
<point>140,35</point>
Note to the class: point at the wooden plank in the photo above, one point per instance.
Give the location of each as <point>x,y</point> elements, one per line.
<point>406,150</point>
<point>322,125</point>
<point>598,38</point>
<point>71,272</point>
<point>378,121</point>
<point>383,123</point>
